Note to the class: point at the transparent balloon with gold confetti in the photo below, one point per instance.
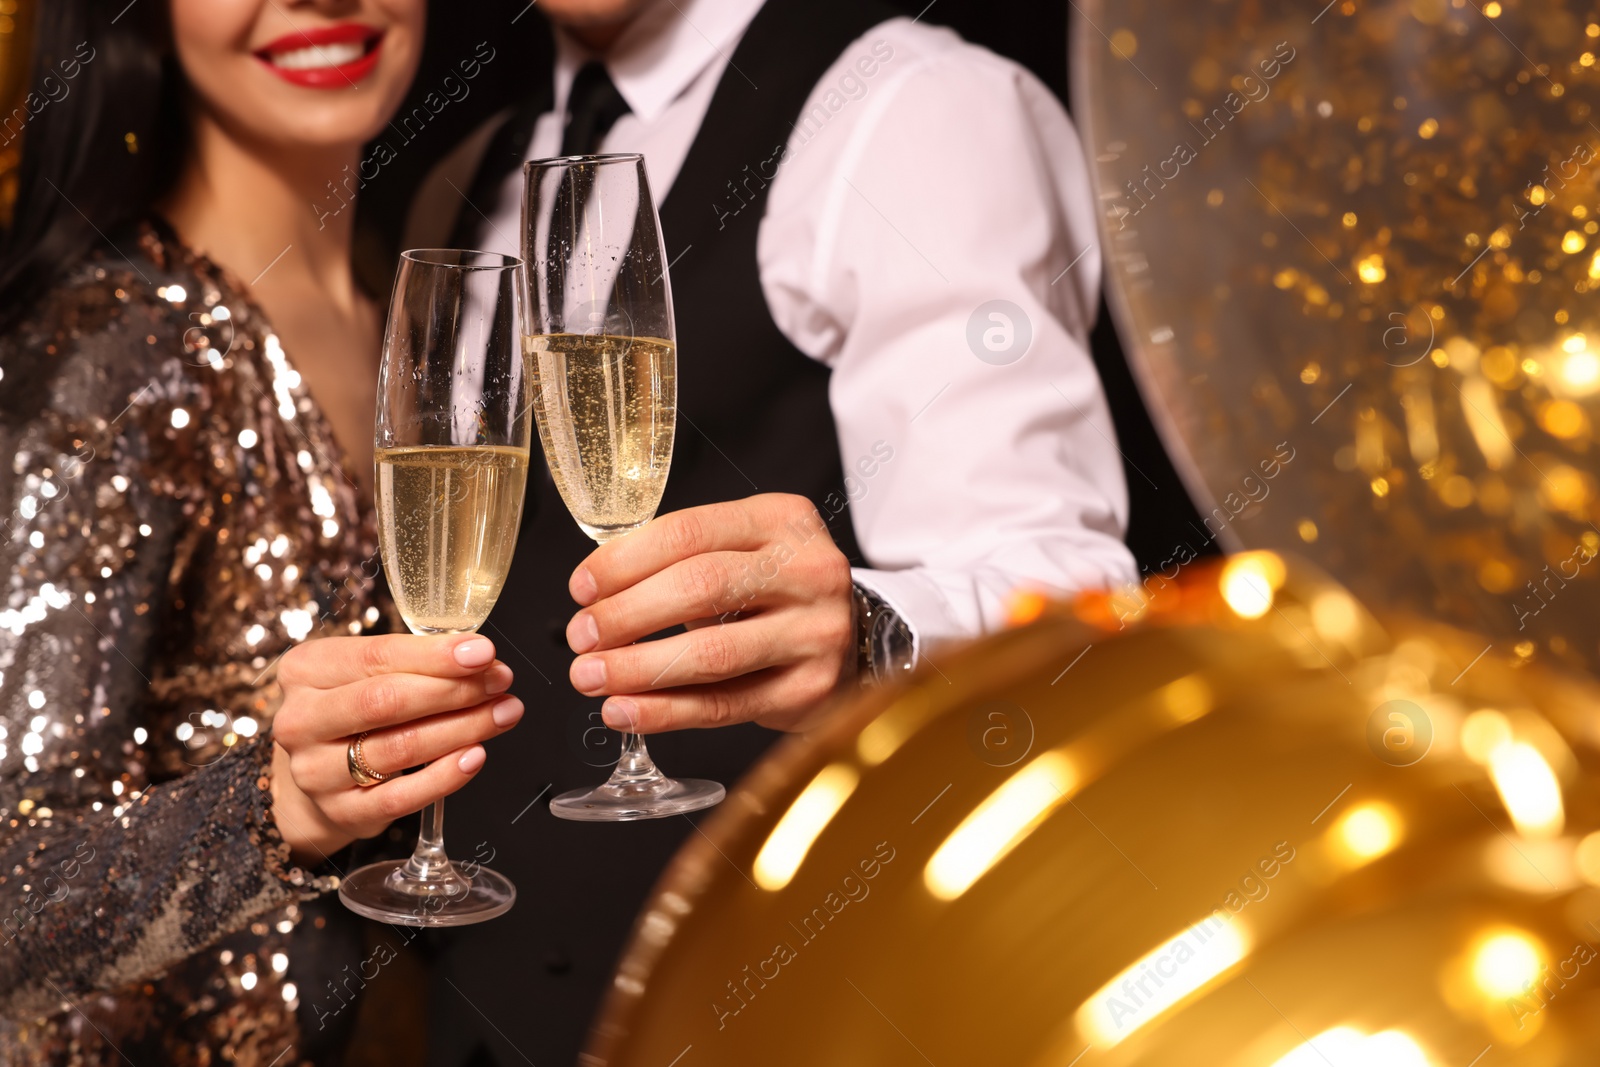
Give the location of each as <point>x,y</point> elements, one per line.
<point>1355,252</point>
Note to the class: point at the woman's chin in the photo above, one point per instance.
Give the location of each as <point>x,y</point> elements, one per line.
<point>303,135</point>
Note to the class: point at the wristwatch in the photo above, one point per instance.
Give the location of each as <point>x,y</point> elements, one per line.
<point>885,649</point>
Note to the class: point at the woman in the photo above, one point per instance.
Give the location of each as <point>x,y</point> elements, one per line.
<point>187,374</point>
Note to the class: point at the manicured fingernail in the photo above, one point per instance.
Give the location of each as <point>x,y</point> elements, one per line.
<point>475,653</point>
<point>589,673</point>
<point>620,713</point>
<point>507,713</point>
<point>499,679</point>
<point>472,759</point>
<point>583,587</point>
<point>583,633</point>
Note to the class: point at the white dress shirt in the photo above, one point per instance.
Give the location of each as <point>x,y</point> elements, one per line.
<point>944,179</point>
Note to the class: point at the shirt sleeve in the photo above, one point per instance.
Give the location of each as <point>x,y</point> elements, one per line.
<point>949,276</point>
<point>106,876</point>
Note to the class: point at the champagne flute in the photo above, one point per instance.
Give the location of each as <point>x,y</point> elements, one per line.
<point>452,442</point>
<point>603,355</point>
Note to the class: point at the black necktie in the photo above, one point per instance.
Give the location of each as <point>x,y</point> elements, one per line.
<point>593,107</point>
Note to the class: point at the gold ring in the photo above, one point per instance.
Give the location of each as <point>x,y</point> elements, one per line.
<point>363,775</point>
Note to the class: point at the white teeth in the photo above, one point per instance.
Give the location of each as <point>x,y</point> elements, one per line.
<point>317,56</point>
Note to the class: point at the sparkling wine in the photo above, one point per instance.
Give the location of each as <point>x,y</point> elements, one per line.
<point>606,409</point>
<point>447,526</point>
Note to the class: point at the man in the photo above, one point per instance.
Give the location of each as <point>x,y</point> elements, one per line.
<point>884,268</point>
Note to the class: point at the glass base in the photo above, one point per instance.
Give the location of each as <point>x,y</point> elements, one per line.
<point>628,801</point>
<point>380,891</point>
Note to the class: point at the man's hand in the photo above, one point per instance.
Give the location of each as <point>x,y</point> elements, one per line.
<point>766,597</point>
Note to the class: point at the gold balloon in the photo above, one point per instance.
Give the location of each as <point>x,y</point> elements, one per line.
<point>1355,249</point>
<point>1257,828</point>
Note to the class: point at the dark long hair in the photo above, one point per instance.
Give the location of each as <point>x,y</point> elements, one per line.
<point>103,135</point>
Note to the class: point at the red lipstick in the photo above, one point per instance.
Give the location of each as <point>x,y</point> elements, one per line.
<point>315,58</point>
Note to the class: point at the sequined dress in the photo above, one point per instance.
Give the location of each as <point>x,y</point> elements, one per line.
<point>175,518</point>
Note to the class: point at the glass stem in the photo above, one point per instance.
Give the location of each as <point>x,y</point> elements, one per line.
<point>428,861</point>
<point>429,870</point>
<point>634,764</point>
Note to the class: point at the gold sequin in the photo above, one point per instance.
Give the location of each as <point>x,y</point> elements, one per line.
<point>148,475</point>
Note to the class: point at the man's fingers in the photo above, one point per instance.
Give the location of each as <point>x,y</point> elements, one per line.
<point>399,748</point>
<point>391,699</point>
<point>705,586</point>
<point>694,706</point>
<point>781,698</point>
<point>709,654</point>
<point>734,526</point>
<point>335,661</point>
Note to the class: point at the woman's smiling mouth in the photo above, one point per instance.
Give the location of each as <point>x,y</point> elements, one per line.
<point>327,57</point>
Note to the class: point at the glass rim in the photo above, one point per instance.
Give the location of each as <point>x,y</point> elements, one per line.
<point>579,161</point>
<point>458,258</point>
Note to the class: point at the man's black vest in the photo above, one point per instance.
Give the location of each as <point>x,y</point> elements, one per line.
<point>753,417</point>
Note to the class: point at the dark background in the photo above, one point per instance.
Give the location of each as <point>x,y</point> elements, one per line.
<point>1032,32</point>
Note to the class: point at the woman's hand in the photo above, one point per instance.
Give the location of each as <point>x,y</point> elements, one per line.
<point>422,700</point>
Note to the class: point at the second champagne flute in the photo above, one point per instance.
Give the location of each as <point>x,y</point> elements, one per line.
<point>452,443</point>
<point>603,354</point>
